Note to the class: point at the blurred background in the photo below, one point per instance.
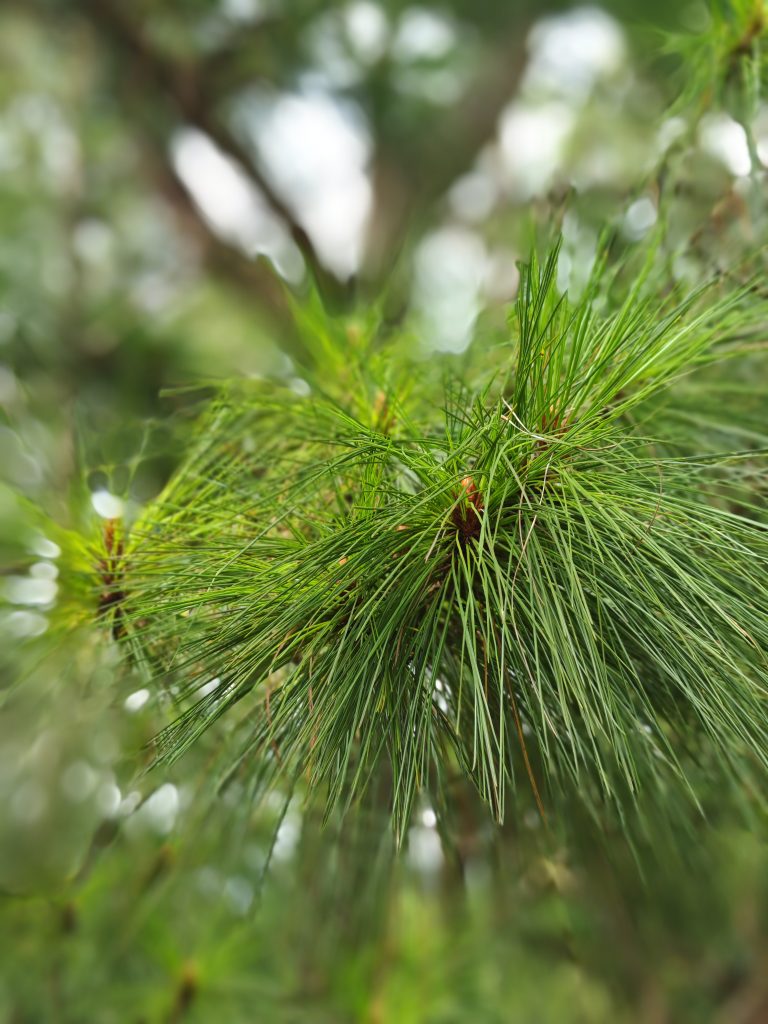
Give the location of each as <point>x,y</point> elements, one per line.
<point>177,179</point>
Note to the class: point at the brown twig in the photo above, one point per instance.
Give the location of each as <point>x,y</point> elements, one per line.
<point>184,86</point>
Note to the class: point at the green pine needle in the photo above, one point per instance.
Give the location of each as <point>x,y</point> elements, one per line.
<point>518,583</point>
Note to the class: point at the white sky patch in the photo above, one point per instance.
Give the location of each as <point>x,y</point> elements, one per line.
<point>428,818</point>
<point>24,624</point>
<point>107,505</point>
<point>571,52</point>
<point>287,836</point>
<point>669,132</point>
<point>78,781</point>
<point>726,140</point>
<point>231,204</point>
<point>439,696</point>
<point>423,34</point>
<point>136,700</point>
<point>425,851</point>
<point>130,802</point>
<point>45,548</point>
<point>160,809</point>
<point>337,62</point>
<point>532,142</point>
<point>209,687</point>
<point>472,196</point>
<point>108,799</point>
<point>43,571</point>
<point>243,10</point>
<point>317,149</point>
<point>639,218</point>
<point>502,277</point>
<point>29,591</point>
<point>367,29</point>
<point>760,130</point>
<point>450,269</point>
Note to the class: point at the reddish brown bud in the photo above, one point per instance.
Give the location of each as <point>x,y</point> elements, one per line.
<point>466,512</point>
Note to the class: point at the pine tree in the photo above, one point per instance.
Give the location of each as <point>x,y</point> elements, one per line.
<point>457,663</point>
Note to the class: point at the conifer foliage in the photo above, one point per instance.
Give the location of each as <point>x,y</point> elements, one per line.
<point>528,576</point>
<point>415,668</point>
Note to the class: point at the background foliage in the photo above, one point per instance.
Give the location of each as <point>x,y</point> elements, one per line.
<point>196,191</point>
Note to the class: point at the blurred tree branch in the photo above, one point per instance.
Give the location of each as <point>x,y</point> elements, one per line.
<point>406,186</point>
<point>184,86</point>
<point>409,174</point>
<point>250,275</point>
<point>254,278</point>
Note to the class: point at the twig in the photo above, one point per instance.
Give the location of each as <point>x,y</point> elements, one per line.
<point>184,86</point>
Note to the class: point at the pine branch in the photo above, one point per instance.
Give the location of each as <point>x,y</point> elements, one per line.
<point>523,588</point>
